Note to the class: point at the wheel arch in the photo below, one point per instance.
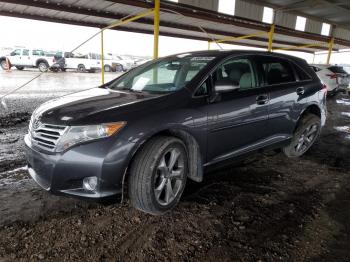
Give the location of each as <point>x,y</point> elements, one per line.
<point>41,60</point>
<point>309,109</point>
<point>192,147</point>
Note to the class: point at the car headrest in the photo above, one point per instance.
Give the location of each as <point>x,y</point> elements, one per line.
<point>235,75</point>
<point>246,81</point>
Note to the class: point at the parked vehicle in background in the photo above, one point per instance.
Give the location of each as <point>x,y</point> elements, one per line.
<point>141,61</point>
<point>168,120</point>
<point>60,61</point>
<point>333,76</point>
<point>27,58</point>
<point>119,63</point>
<point>90,62</point>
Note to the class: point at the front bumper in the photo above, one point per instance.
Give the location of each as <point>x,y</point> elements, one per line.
<point>63,173</point>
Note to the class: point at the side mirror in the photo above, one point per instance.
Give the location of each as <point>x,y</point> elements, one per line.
<point>225,86</point>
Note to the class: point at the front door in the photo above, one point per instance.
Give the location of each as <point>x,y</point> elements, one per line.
<point>15,57</point>
<point>237,120</point>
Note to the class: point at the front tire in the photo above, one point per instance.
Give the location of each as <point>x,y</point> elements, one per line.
<point>304,137</point>
<point>119,68</point>
<point>158,175</point>
<point>107,68</point>
<point>43,66</point>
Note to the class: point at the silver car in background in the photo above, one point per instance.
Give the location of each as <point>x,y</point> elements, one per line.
<point>333,76</point>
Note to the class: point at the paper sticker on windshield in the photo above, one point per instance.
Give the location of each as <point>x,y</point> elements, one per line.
<point>202,58</point>
<point>140,84</point>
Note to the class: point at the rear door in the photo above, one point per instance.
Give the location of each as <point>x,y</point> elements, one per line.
<point>237,120</point>
<point>287,94</point>
<point>26,58</point>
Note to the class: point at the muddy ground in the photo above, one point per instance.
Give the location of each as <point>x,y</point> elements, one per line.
<point>269,208</point>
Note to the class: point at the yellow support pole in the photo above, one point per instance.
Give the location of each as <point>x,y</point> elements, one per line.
<point>208,45</point>
<point>156,28</point>
<point>330,49</point>
<point>102,60</point>
<point>271,33</point>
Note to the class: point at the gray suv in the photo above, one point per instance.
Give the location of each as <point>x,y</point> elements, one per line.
<point>171,119</point>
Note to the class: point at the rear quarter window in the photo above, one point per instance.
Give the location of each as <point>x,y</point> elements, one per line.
<point>301,73</point>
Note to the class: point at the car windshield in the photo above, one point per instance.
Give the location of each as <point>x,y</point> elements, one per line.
<point>163,76</point>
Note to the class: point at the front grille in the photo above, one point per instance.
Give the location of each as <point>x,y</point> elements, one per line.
<point>46,136</point>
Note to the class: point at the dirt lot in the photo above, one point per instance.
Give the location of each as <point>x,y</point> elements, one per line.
<point>269,208</point>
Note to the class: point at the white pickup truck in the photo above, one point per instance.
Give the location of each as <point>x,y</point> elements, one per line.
<point>22,58</point>
<point>90,62</point>
<point>117,63</point>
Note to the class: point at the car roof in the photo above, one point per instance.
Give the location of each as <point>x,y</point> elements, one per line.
<point>225,53</point>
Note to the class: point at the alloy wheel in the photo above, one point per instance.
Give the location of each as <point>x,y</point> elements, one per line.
<point>307,138</point>
<point>169,177</point>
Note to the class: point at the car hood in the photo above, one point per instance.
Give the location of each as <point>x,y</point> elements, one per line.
<point>96,105</point>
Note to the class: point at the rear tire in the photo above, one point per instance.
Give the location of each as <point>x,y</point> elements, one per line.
<point>81,69</point>
<point>4,65</point>
<point>304,137</point>
<point>158,175</point>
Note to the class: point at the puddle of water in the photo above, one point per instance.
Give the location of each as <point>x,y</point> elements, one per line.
<point>346,114</point>
<point>345,129</point>
<point>14,177</point>
<point>343,101</point>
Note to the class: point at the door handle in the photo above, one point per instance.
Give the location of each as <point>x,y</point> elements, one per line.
<point>262,99</point>
<point>300,91</point>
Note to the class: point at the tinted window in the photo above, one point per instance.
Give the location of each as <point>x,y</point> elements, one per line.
<point>25,52</point>
<point>38,52</point>
<point>238,72</point>
<point>202,90</point>
<point>16,52</point>
<point>302,75</point>
<point>277,71</point>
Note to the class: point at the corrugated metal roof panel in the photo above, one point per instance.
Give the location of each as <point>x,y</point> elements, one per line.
<point>210,5</point>
<point>249,10</point>
<point>313,26</point>
<point>285,19</point>
<point>342,33</point>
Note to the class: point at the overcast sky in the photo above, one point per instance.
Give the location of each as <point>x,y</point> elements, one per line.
<point>53,36</point>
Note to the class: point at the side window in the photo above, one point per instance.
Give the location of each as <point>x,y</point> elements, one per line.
<point>237,72</point>
<point>202,90</point>
<point>277,71</point>
<point>16,52</point>
<point>38,52</point>
<point>302,75</point>
<point>25,52</point>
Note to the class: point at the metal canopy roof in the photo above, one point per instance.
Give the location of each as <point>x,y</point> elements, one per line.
<point>336,12</point>
<point>177,20</point>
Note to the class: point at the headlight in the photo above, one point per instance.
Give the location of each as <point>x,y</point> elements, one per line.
<point>79,134</point>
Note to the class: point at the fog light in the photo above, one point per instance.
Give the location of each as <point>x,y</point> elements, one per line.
<point>90,183</point>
